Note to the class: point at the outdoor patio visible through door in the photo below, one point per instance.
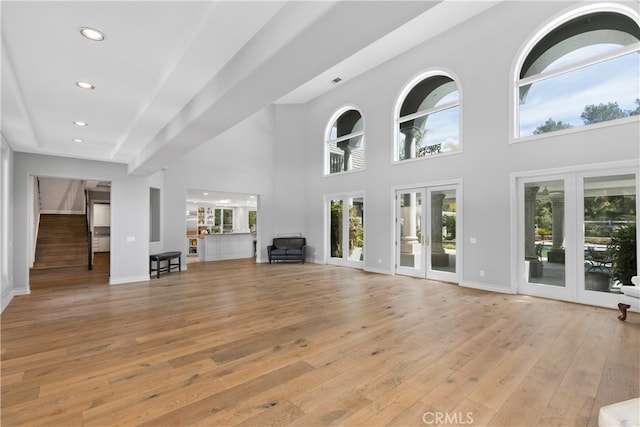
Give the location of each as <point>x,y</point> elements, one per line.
<point>426,232</point>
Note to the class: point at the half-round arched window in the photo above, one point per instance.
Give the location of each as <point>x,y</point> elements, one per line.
<point>345,142</point>
<point>585,69</point>
<point>428,119</point>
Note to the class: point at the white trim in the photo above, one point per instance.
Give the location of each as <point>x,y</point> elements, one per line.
<point>345,137</point>
<point>486,287</point>
<point>428,111</point>
<point>129,279</point>
<point>396,119</point>
<point>607,167</point>
<point>327,141</point>
<point>625,50</point>
<point>577,129</point>
<point>8,297</point>
<point>4,303</point>
<point>344,261</point>
<point>567,292</point>
<point>378,270</point>
<point>456,183</point>
<point>573,176</point>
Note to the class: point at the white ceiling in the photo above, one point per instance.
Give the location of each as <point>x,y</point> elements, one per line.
<point>172,75</point>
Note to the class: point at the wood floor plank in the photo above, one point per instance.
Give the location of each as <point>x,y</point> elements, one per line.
<point>225,399</point>
<point>400,398</point>
<point>239,343</point>
<point>447,395</point>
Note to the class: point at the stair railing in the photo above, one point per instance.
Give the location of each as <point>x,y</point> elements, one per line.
<point>89,234</point>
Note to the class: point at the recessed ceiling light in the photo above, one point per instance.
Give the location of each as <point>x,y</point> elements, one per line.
<point>80,124</point>
<point>78,140</point>
<point>85,85</point>
<point>92,34</point>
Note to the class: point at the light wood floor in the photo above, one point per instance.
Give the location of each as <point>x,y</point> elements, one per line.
<point>239,343</point>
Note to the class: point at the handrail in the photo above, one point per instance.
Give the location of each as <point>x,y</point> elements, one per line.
<point>89,234</point>
<point>37,201</point>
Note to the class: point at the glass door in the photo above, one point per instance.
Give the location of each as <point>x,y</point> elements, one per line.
<point>543,237</point>
<point>442,243</point>
<point>410,259</point>
<point>346,231</point>
<point>609,217</point>
<point>568,225</point>
<point>426,232</point>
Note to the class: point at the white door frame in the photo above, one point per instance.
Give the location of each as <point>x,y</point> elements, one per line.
<point>426,270</point>
<point>574,232</point>
<point>524,286</point>
<point>344,260</point>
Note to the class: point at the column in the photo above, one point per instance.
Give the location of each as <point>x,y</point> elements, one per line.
<point>410,246</point>
<point>346,148</point>
<point>535,265</point>
<point>438,256</point>
<point>410,138</point>
<point>556,254</point>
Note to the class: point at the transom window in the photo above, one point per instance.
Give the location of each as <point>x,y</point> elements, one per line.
<point>345,142</point>
<point>428,120</point>
<point>584,71</point>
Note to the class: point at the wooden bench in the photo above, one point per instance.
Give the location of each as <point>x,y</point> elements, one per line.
<point>164,256</point>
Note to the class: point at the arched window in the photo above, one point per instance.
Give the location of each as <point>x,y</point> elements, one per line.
<point>345,142</point>
<point>584,70</point>
<point>428,120</point>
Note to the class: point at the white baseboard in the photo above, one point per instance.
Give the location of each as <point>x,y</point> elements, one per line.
<point>485,287</point>
<point>378,270</point>
<point>8,297</point>
<point>130,279</point>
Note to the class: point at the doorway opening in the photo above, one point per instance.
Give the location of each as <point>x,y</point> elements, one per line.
<point>221,226</point>
<point>70,233</point>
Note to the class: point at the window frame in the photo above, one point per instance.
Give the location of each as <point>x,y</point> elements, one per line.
<point>397,120</point>
<point>532,42</point>
<point>327,141</point>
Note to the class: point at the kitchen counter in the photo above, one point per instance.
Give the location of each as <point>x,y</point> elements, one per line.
<point>215,247</point>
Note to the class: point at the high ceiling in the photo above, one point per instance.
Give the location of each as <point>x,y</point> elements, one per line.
<point>171,75</point>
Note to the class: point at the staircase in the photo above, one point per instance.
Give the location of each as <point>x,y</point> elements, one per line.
<point>62,241</point>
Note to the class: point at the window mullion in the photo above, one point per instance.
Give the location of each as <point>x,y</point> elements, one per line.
<point>581,64</point>
<point>429,111</point>
<point>345,137</point>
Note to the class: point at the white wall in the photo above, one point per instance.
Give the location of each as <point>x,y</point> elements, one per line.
<point>241,160</point>
<point>481,53</point>
<point>290,188</point>
<point>6,219</point>
<point>61,196</point>
<point>129,213</point>
<point>156,180</point>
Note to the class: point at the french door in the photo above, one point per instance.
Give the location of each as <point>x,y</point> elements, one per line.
<point>548,207</point>
<point>566,223</point>
<point>427,232</point>
<point>345,225</point>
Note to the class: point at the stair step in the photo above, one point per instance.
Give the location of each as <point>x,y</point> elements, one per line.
<point>62,242</point>
<point>49,265</point>
<point>62,256</point>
